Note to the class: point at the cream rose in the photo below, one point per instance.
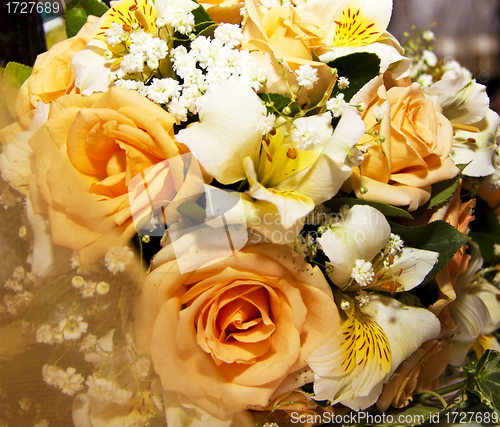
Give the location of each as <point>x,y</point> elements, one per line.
<point>228,334</point>
<point>53,74</point>
<point>86,154</point>
<point>414,150</point>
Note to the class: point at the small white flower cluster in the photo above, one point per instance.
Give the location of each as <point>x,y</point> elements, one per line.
<point>305,135</point>
<point>21,297</point>
<point>68,381</point>
<point>107,390</point>
<point>144,51</point>
<point>496,249</point>
<point>116,34</point>
<point>267,123</point>
<point>69,328</point>
<point>140,367</point>
<point>394,246</point>
<point>180,19</point>
<point>336,105</point>
<point>307,76</point>
<point>363,298</point>
<point>205,62</point>
<point>378,113</point>
<point>420,69</point>
<point>343,83</point>
<point>303,246</point>
<point>88,343</point>
<point>428,36</point>
<point>355,159</point>
<point>88,288</point>
<point>362,272</point>
<point>118,258</point>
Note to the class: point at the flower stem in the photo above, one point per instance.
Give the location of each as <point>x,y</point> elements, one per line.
<point>433,394</point>
<point>454,387</point>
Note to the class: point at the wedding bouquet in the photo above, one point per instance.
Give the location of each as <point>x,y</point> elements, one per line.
<point>247,213</point>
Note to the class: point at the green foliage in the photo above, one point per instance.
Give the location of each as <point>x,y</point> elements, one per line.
<point>14,76</point>
<point>77,11</point>
<point>485,230</point>
<point>388,210</point>
<point>438,236</point>
<point>359,68</point>
<point>483,380</point>
<point>278,101</point>
<point>444,190</point>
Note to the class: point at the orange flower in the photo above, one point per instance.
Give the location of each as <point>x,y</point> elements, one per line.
<point>53,75</point>
<point>84,158</point>
<point>459,216</point>
<point>229,333</point>
<point>413,153</point>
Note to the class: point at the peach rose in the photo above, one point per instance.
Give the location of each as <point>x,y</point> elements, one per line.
<point>290,34</point>
<point>85,155</point>
<point>420,371</point>
<point>53,75</point>
<point>229,333</point>
<point>224,10</point>
<point>401,168</point>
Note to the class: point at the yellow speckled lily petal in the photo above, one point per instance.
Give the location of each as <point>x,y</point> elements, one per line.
<point>362,22</point>
<point>126,12</point>
<point>374,340</point>
<point>353,362</point>
<point>291,205</point>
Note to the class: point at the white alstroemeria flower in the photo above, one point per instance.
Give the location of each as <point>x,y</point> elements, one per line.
<point>359,26</point>
<point>376,338</point>
<point>478,148</point>
<point>92,69</point>
<point>361,234</point>
<point>463,100</point>
<point>465,103</point>
<point>285,180</point>
<point>476,309</point>
<point>168,9</point>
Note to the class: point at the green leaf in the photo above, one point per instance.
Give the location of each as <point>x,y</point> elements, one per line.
<point>279,101</point>
<point>201,15</point>
<point>485,230</point>
<point>359,68</point>
<point>442,191</point>
<point>438,236</point>
<point>76,13</point>
<point>483,379</point>
<point>14,76</point>
<point>387,210</point>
